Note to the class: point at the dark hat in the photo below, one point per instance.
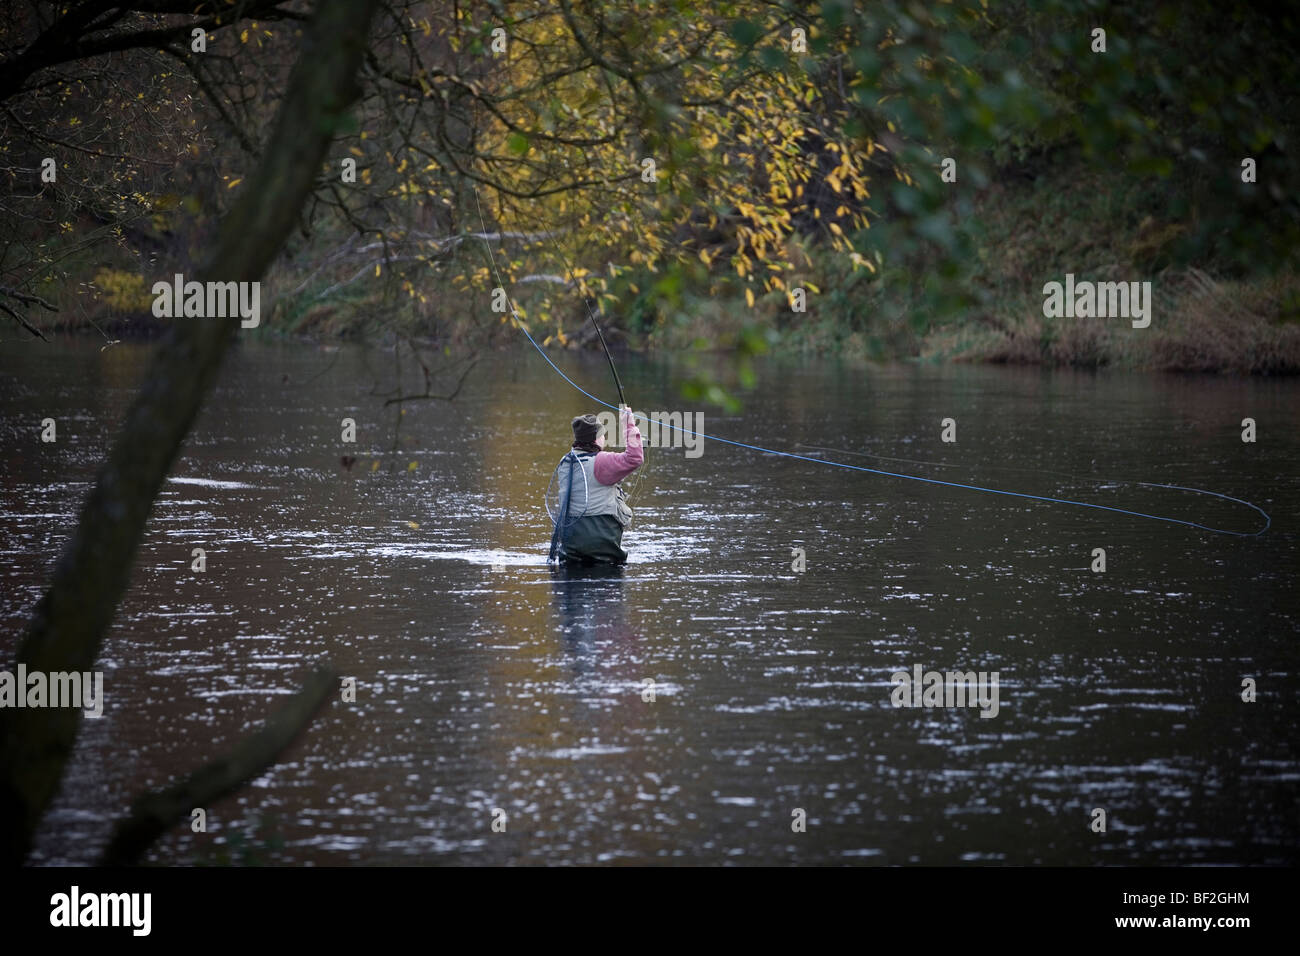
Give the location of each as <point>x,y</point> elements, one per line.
<point>585,430</point>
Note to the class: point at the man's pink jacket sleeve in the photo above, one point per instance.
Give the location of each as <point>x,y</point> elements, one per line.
<point>612,467</point>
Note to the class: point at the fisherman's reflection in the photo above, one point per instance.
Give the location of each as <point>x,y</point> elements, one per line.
<point>591,611</point>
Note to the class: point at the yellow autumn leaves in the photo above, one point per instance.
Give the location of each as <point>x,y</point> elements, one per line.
<point>752,148</point>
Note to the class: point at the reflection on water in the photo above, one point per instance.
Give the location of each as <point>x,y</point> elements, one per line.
<point>591,611</point>
<point>487,681</point>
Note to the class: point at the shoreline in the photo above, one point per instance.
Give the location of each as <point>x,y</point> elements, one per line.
<point>965,345</point>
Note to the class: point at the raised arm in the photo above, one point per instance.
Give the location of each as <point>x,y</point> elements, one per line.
<point>612,467</point>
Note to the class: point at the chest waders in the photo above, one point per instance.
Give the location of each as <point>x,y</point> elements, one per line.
<point>589,516</point>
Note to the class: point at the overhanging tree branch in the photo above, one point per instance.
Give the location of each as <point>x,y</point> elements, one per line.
<point>154,814</point>
<point>69,622</point>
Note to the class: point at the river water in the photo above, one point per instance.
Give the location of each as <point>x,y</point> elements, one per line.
<point>486,682</point>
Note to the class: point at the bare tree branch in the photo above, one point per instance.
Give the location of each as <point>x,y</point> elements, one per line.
<point>153,814</point>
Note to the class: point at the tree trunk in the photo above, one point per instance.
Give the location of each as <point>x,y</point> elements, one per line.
<point>69,622</point>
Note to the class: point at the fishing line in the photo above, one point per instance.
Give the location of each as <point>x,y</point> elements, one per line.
<point>1090,479</point>
<point>632,485</point>
<point>1060,474</point>
<point>573,277</point>
<point>1268,521</point>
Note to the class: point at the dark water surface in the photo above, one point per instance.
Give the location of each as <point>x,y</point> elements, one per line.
<point>485,681</point>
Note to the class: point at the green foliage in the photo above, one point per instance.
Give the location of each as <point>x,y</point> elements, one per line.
<point>779,167</point>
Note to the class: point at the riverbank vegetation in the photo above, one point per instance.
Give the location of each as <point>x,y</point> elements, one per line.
<point>888,183</point>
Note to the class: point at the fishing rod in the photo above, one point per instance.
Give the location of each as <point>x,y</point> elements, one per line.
<point>572,278</point>
<point>601,335</point>
<point>634,483</point>
<point>591,314</point>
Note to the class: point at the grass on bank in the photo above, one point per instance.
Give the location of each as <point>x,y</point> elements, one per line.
<point>1099,226</point>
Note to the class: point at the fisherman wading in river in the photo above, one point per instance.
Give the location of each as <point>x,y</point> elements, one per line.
<point>591,507</point>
